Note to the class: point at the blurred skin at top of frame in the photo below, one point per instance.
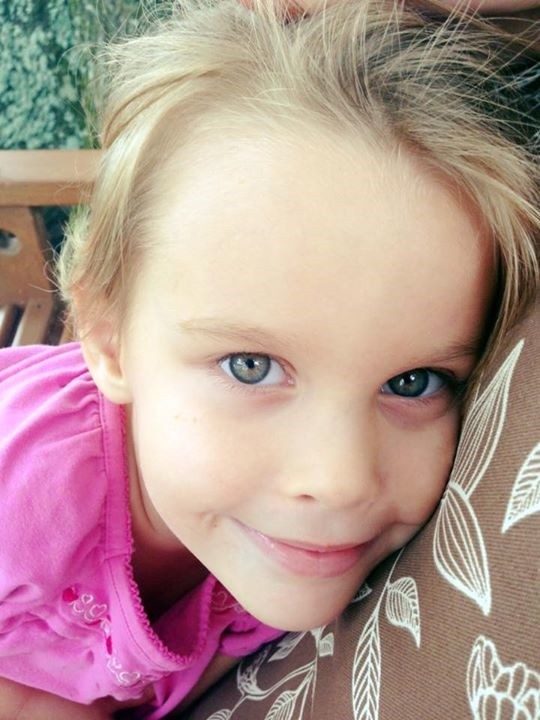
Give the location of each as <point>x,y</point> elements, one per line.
<point>296,7</point>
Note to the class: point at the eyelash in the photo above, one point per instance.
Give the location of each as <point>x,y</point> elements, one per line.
<point>452,384</point>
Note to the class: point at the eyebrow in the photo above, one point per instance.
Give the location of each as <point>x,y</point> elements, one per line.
<point>222,329</point>
<point>455,351</point>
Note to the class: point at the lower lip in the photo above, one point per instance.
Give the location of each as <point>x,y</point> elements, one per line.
<point>311,563</point>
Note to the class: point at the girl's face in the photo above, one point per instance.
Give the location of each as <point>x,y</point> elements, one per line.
<point>296,340</point>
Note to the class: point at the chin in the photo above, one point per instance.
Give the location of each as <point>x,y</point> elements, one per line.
<point>296,616</point>
<point>306,621</point>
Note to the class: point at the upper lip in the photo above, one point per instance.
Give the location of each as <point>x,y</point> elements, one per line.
<point>316,547</point>
<point>313,547</point>
<point>326,547</point>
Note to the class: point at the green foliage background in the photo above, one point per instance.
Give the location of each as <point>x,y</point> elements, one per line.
<point>47,71</point>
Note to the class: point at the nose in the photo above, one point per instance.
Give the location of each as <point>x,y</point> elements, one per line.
<point>335,461</point>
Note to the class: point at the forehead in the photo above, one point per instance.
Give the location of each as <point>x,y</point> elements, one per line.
<point>281,229</point>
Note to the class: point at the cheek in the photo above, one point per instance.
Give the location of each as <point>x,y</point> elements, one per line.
<point>418,471</point>
<point>195,456</point>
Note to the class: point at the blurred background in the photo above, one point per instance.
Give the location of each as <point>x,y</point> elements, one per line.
<point>49,77</point>
<point>47,69</point>
<point>48,73</point>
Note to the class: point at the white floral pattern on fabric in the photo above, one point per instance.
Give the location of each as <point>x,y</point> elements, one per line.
<point>290,702</point>
<point>403,606</point>
<point>402,609</point>
<point>459,550</point>
<point>220,715</point>
<point>362,593</point>
<point>525,495</point>
<point>498,691</point>
<point>286,645</point>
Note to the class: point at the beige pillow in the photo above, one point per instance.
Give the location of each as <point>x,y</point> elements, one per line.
<point>450,627</point>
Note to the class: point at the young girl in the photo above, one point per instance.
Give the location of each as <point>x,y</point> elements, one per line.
<point>302,240</point>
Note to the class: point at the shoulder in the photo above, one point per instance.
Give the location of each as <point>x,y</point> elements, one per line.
<point>53,470</point>
<point>42,381</point>
<point>48,401</point>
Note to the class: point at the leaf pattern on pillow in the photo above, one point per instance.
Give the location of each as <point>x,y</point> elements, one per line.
<point>459,550</point>
<point>283,707</point>
<point>403,606</point>
<point>286,645</point>
<point>403,610</point>
<point>220,715</point>
<point>366,683</point>
<point>246,675</point>
<point>525,495</point>
<point>292,701</point>
<point>362,593</point>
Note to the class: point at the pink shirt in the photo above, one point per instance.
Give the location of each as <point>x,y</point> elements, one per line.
<point>71,619</point>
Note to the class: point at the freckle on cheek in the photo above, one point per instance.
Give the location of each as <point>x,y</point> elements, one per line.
<point>178,418</point>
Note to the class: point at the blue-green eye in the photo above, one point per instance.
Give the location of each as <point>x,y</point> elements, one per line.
<point>253,369</point>
<point>415,383</point>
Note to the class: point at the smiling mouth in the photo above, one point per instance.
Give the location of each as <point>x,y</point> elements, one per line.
<point>308,559</point>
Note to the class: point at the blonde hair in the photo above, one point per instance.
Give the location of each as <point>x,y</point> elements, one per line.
<point>442,88</point>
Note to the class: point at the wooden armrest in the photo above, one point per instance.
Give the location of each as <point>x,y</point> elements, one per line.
<point>46,177</point>
<point>35,321</point>
<point>8,317</point>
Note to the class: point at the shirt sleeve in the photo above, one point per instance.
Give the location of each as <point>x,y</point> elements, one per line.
<point>245,635</point>
<point>50,516</point>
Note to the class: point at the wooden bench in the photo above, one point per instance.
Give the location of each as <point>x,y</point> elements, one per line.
<point>30,180</point>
